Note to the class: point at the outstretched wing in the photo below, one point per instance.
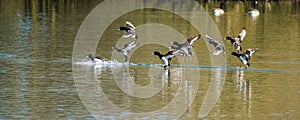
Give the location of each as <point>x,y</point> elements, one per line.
<point>130,46</point>
<point>242,35</point>
<point>212,41</point>
<point>116,48</point>
<point>175,43</point>
<point>173,53</point>
<point>191,40</point>
<point>130,25</point>
<point>219,48</point>
<point>130,33</point>
<point>250,52</point>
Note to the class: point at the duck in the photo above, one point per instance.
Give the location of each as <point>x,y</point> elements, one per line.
<point>237,41</point>
<point>130,30</point>
<point>254,12</point>
<point>185,48</point>
<point>246,56</point>
<point>96,58</point>
<point>166,58</point>
<point>219,11</point>
<point>126,49</point>
<point>219,48</point>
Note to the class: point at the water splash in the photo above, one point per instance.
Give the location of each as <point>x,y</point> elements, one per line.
<point>115,63</point>
<point>6,55</point>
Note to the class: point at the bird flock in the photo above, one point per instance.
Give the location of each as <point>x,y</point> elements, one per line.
<point>182,49</point>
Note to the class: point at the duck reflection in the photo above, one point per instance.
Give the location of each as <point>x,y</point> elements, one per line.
<point>173,80</point>
<point>133,89</point>
<point>214,90</point>
<point>244,89</point>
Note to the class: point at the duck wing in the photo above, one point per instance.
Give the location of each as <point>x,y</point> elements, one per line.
<point>130,25</point>
<point>174,45</point>
<point>130,46</point>
<point>129,33</point>
<point>242,35</point>
<point>250,52</point>
<point>173,53</point>
<point>218,47</point>
<point>191,40</point>
<point>169,55</point>
<point>212,41</point>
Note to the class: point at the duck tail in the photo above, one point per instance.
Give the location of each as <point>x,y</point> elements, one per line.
<point>248,64</point>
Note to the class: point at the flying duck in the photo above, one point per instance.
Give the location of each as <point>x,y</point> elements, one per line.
<point>185,48</point>
<point>218,47</point>
<point>126,49</point>
<point>235,42</point>
<point>219,11</point>
<point>246,56</point>
<point>166,58</point>
<point>130,30</point>
<point>96,58</point>
<point>254,11</point>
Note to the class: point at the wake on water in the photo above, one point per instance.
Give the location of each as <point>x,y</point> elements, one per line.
<point>115,63</point>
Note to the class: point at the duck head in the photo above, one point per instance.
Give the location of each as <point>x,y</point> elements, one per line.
<point>228,38</point>
<point>123,28</point>
<point>156,53</point>
<point>234,54</point>
<point>255,3</point>
<point>222,5</point>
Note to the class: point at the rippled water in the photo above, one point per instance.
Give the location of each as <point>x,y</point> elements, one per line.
<point>39,80</point>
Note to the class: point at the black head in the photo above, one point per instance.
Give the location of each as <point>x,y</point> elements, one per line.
<point>255,4</point>
<point>234,54</point>
<point>156,53</point>
<point>244,28</point>
<point>123,28</point>
<point>222,5</point>
<point>228,38</point>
